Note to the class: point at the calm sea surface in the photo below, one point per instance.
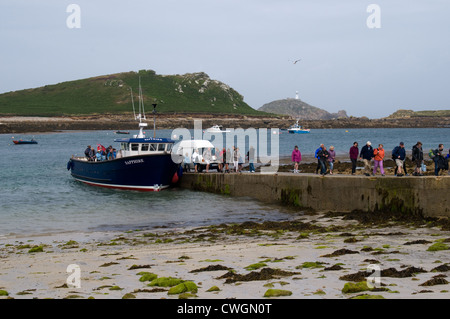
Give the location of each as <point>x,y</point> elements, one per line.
<point>38,195</point>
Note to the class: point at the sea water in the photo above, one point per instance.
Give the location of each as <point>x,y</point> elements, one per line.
<point>39,196</point>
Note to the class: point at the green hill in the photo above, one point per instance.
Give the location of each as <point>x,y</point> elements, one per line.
<point>410,113</point>
<point>188,93</point>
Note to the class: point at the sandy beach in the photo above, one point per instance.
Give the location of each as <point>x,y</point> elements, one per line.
<point>315,256</point>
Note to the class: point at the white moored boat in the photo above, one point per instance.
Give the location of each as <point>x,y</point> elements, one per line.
<point>217,129</point>
<point>296,128</point>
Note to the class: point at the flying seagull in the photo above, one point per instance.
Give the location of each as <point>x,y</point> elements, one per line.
<point>295,62</point>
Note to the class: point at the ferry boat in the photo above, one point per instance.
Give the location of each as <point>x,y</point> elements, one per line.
<point>142,164</point>
<point>296,128</point>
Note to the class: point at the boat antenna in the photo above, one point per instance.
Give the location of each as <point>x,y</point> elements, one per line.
<point>141,100</point>
<point>132,102</point>
<point>154,120</point>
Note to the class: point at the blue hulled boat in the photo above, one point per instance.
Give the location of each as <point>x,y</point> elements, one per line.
<point>20,142</point>
<point>297,129</point>
<point>143,164</point>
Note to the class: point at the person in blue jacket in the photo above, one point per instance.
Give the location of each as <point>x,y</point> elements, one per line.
<point>399,155</point>
<point>316,155</point>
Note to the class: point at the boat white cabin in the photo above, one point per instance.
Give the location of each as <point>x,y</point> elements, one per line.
<point>217,129</point>
<point>144,146</point>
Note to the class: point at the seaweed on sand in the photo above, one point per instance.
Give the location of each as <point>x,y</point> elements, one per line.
<point>387,216</point>
<point>263,274</point>
<point>390,272</point>
<point>441,268</point>
<point>211,268</point>
<point>436,280</point>
<point>407,272</point>
<point>294,225</point>
<point>340,252</point>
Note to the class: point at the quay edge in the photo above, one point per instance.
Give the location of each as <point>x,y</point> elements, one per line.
<point>427,196</point>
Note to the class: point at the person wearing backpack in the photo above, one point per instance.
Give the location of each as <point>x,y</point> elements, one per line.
<point>448,160</point>
<point>399,155</point>
<point>323,159</point>
<point>417,157</point>
<point>440,162</point>
<point>316,155</point>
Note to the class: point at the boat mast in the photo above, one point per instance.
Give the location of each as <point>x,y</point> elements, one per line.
<point>141,100</point>
<point>141,116</point>
<point>132,102</point>
<point>154,120</point>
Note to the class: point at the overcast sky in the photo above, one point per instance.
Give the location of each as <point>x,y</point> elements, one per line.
<point>248,44</point>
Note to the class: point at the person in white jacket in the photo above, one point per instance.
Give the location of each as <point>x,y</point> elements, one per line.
<point>195,159</point>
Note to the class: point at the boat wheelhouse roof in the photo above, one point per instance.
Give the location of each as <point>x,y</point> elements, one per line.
<point>196,144</point>
<point>144,140</point>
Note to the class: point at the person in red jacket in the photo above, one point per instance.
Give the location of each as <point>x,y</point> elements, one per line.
<point>354,152</point>
<point>296,158</point>
<point>378,159</point>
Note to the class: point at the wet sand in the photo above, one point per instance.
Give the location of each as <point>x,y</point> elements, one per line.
<point>314,256</point>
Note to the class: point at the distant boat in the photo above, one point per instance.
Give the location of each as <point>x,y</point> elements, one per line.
<point>122,132</point>
<point>296,128</point>
<point>32,141</point>
<point>217,129</point>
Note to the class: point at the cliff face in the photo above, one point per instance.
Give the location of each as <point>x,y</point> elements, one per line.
<point>301,110</point>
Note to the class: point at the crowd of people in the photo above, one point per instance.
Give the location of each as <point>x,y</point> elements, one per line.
<point>373,158</point>
<point>224,160</point>
<point>368,154</point>
<point>102,153</point>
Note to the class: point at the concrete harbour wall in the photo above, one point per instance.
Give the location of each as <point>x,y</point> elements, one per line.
<point>426,196</point>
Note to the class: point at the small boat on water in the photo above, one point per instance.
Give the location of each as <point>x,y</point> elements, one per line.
<point>122,132</point>
<point>217,129</point>
<point>142,163</point>
<point>18,142</point>
<point>296,128</point>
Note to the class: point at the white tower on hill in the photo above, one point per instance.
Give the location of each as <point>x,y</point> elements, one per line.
<point>296,95</point>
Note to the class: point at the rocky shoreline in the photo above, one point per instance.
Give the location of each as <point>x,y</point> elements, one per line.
<point>171,121</point>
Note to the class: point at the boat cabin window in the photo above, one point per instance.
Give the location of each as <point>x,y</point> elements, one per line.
<point>146,147</point>
<point>135,147</point>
